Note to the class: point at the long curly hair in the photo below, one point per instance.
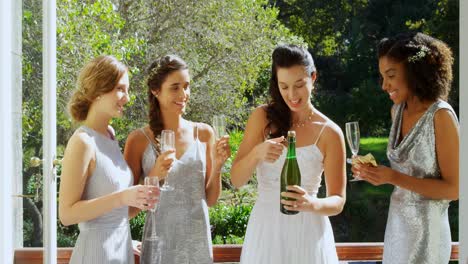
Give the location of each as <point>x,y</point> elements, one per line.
<point>99,76</point>
<point>278,112</point>
<point>157,74</point>
<point>427,63</point>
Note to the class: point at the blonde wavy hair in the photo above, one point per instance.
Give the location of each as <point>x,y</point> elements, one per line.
<point>99,76</point>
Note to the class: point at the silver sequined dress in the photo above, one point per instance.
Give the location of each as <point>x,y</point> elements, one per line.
<point>181,220</point>
<point>418,230</point>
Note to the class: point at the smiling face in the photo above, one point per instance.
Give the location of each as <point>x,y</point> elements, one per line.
<point>295,87</point>
<point>112,103</point>
<point>393,80</point>
<point>175,92</point>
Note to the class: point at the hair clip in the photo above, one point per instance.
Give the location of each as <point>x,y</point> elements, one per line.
<point>423,51</point>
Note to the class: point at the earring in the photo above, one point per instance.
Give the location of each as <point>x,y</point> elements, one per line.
<point>98,98</point>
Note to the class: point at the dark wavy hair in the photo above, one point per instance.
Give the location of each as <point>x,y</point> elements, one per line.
<point>157,74</point>
<point>277,111</point>
<point>427,62</point>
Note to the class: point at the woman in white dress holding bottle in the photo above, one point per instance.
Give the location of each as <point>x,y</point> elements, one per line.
<point>307,237</point>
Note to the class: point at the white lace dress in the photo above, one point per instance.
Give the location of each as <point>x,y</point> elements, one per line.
<point>275,238</point>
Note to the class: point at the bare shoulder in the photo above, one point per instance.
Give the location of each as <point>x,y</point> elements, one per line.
<point>80,143</point>
<point>333,130</point>
<point>205,132</point>
<point>136,135</point>
<point>259,114</point>
<point>136,139</point>
<point>444,117</point>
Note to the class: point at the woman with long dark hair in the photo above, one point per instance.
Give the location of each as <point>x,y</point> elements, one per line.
<point>180,222</point>
<point>306,237</point>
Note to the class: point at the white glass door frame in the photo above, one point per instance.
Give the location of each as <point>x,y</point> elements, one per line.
<point>6,135</point>
<point>49,125</point>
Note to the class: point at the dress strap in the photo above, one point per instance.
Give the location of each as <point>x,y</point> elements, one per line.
<point>195,130</point>
<point>320,133</point>
<point>149,140</point>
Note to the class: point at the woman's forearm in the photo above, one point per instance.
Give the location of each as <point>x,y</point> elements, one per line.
<point>213,187</point>
<point>329,206</point>
<point>431,188</point>
<point>86,210</point>
<point>242,169</point>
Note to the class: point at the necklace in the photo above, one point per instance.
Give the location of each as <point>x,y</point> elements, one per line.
<point>304,121</point>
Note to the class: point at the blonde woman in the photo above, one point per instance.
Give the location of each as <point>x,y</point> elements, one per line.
<point>96,188</point>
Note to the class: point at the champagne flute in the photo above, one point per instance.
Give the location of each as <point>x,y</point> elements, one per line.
<point>353,138</point>
<point>168,143</point>
<point>219,126</point>
<point>152,181</point>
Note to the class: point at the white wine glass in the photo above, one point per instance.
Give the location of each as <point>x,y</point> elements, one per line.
<point>353,138</point>
<point>219,126</point>
<point>168,143</point>
<point>152,181</point>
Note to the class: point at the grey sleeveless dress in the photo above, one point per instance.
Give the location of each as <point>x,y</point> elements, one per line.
<point>106,239</point>
<point>181,220</point>
<point>418,230</point>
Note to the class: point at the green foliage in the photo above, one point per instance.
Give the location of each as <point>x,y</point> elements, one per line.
<point>366,205</point>
<point>376,146</point>
<point>136,225</point>
<point>230,216</point>
<point>228,223</point>
<point>235,138</point>
<point>227,45</point>
<point>342,36</point>
<point>67,235</point>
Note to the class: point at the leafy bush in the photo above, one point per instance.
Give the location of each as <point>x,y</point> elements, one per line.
<point>136,225</point>
<point>230,216</point>
<point>228,223</point>
<point>66,235</point>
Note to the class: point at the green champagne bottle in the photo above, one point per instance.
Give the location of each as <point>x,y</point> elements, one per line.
<point>290,175</point>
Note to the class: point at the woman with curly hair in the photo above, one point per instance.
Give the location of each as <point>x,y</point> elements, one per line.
<point>416,72</point>
<point>306,237</point>
<point>180,224</point>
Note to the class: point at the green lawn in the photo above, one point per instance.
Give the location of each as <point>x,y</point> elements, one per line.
<point>375,145</point>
